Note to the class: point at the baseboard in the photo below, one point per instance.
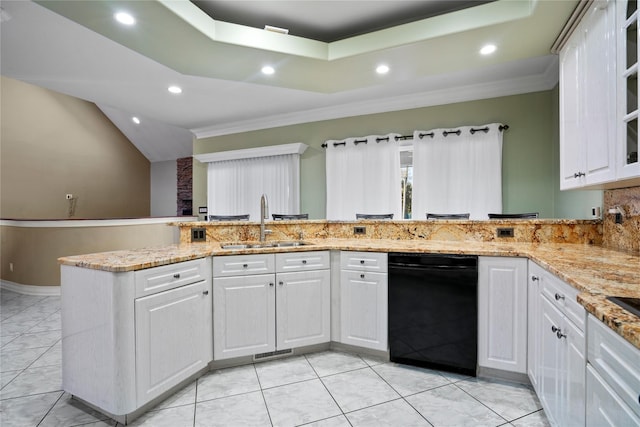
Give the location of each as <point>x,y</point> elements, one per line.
<point>48,291</point>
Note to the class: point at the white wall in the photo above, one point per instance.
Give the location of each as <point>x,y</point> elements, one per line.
<point>164,188</point>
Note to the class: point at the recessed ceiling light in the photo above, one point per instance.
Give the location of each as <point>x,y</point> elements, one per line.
<point>382,69</point>
<point>174,89</point>
<point>488,49</point>
<point>125,18</point>
<point>268,70</point>
<point>135,120</point>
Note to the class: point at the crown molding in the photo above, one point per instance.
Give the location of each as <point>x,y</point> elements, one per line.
<point>545,80</point>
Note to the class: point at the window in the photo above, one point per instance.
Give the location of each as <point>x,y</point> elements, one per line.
<point>236,180</point>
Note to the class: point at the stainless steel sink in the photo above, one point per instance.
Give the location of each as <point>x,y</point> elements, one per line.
<point>257,245</point>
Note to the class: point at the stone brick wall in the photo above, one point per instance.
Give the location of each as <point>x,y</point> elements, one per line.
<point>185,186</point>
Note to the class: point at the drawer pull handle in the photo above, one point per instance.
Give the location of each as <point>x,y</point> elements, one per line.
<point>361,261</point>
<point>559,297</point>
<point>534,278</point>
<point>245,265</point>
<point>176,276</point>
<point>205,292</point>
<point>362,276</point>
<point>304,261</point>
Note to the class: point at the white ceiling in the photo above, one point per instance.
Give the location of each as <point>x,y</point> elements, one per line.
<point>78,49</point>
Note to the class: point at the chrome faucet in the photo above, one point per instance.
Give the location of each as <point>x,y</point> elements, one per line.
<point>264,214</point>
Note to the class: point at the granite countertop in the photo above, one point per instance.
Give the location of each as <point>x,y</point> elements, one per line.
<point>595,271</point>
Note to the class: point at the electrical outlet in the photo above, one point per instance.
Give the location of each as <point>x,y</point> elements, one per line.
<point>359,230</point>
<point>69,196</point>
<point>504,232</point>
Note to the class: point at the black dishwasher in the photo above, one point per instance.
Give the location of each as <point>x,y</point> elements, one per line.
<point>433,311</point>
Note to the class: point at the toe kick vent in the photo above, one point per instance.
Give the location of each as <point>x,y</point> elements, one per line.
<point>272,354</point>
<point>504,232</point>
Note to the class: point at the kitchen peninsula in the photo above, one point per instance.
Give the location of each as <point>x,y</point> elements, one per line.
<point>568,250</point>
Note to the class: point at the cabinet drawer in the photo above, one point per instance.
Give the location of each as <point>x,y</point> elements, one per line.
<point>239,265</point>
<point>300,261</point>
<point>564,298</point>
<point>617,361</point>
<point>157,279</point>
<point>366,261</point>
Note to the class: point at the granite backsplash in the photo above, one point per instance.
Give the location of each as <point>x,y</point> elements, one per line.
<point>626,235</point>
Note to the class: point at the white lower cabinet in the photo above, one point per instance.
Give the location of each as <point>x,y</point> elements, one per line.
<point>173,338</point>
<point>502,321</point>
<point>128,337</point>
<point>262,313</point>
<point>363,299</point>
<point>562,363</point>
<point>613,378</point>
<point>243,315</point>
<point>536,275</point>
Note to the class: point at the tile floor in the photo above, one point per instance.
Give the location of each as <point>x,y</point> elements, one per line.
<point>322,389</point>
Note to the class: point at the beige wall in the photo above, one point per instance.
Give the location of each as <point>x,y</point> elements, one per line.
<point>34,252</point>
<point>530,167</point>
<point>54,144</point>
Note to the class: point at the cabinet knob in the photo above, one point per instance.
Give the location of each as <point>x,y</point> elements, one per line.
<point>205,292</point>
<point>245,265</point>
<point>560,335</point>
<point>555,329</point>
<point>176,276</point>
<point>304,261</point>
<point>578,174</point>
<point>281,283</point>
<point>558,297</point>
<point>362,276</point>
<point>271,284</point>
<point>534,278</point>
<point>361,261</point>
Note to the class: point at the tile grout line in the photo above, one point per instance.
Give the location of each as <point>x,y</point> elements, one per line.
<point>482,403</point>
<point>325,387</point>
<point>264,399</point>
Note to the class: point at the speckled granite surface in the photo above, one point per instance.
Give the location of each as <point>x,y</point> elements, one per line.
<point>594,270</point>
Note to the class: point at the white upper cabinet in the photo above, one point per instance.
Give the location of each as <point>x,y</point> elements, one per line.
<point>627,25</point>
<point>588,100</point>
<point>599,99</point>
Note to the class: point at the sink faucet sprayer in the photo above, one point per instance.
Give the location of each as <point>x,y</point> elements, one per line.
<point>264,214</point>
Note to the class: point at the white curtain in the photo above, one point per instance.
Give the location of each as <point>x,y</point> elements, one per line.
<point>235,186</point>
<point>458,173</point>
<point>363,177</point>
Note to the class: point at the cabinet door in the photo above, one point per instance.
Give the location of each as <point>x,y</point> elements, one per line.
<point>571,154</point>
<point>604,406</point>
<point>551,366</point>
<point>628,164</point>
<point>363,310</point>
<point>502,319</point>
<point>599,69</point>
<point>173,338</point>
<point>534,324</point>
<point>573,384</point>
<point>243,315</point>
<point>303,308</point>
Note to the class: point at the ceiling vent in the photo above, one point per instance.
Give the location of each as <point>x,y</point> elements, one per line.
<point>276,29</point>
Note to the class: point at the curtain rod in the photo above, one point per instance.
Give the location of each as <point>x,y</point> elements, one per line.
<point>445,133</point>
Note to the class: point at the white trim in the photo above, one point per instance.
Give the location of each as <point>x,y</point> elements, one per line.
<point>68,223</point>
<point>250,153</point>
<point>545,80</point>
<point>47,290</point>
